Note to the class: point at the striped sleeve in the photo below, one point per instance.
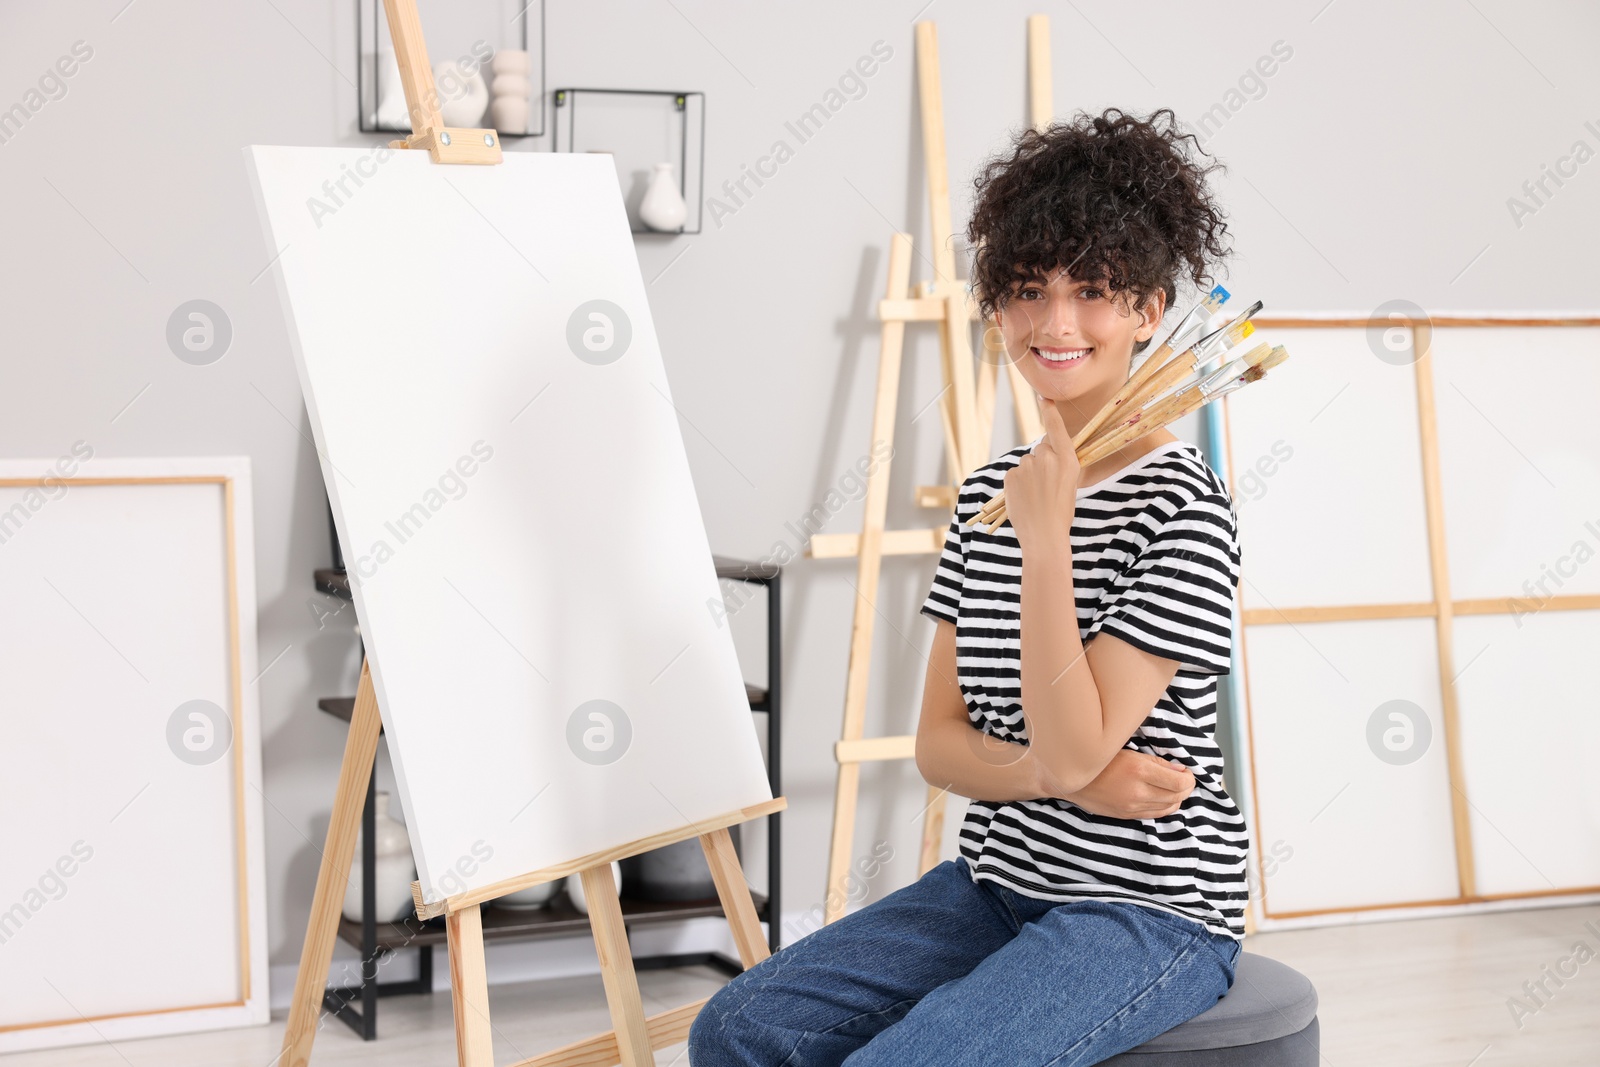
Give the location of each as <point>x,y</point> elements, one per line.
<point>945,594</point>
<point>1176,599</point>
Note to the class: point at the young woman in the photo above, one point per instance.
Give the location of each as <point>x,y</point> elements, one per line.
<point>1098,897</point>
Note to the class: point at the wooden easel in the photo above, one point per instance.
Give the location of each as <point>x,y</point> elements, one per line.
<point>967,403</point>
<point>634,1037</point>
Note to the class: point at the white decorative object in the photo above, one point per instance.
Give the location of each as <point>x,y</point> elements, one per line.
<point>511,61</point>
<point>512,88</point>
<point>510,85</point>
<point>663,207</point>
<point>529,899</point>
<point>575,887</point>
<point>463,96</point>
<point>510,114</point>
<point>394,872</point>
<point>133,874</point>
<point>483,629</point>
<point>392,111</point>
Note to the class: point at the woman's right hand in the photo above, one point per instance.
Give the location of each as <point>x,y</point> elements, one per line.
<point>1135,785</point>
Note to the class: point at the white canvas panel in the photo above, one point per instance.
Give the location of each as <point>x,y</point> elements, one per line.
<point>1530,719</point>
<point>1326,464</point>
<point>1520,467</point>
<point>1355,813</point>
<point>121,842</point>
<point>510,486</point>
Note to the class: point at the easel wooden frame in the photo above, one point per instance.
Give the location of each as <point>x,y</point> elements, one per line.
<point>1442,608</point>
<point>634,1037</point>
<point>967,402</point>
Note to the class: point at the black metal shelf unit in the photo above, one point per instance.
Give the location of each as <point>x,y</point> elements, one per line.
<point>565,113</point>
<point>526,13</point>
<point>379,941</point>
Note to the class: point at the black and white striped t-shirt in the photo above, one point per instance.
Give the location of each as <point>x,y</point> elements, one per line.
<point>1155,561</point>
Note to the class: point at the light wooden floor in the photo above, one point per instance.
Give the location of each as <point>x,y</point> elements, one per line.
<point>1420,993</point>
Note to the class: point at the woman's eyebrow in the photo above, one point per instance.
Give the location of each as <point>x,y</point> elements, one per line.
<point>1040,278</point>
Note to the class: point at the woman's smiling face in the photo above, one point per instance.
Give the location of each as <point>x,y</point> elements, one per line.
<point>1073,339</point>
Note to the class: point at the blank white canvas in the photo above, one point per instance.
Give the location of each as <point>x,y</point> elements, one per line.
<point>1362,831</point>
<point>429,316</point>
<point>1340,521</point>
<point>1529,728</point>
<point>116,613</point>
<point>1519,465</point>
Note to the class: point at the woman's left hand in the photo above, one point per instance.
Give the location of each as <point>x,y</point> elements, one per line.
<point>1041,490</point>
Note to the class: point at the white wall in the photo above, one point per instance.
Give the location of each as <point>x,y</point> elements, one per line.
<point>1376,164</point>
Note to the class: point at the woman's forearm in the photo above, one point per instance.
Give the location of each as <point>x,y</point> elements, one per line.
<point>955,756</point>
<point>987,768</point>
<point>1060,700</point>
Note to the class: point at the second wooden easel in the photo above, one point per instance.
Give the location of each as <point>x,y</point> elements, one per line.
<point>634,1036</point>
<point>967,402</point>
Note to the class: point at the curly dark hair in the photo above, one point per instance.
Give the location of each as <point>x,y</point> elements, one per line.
<point>1109,197</point>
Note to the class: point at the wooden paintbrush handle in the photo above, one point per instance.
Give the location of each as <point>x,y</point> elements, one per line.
<point>1140,375</point>
<point>1140,406</point>
<point>1169,411</point>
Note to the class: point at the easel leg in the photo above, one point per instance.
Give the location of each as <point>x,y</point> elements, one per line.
<point>616,968</point>
<point>932,829</point>
<point>985,397</point>
<point>869,562</point>
<point>360,747</point>
<point>734,892</point>
<point>469,988</point>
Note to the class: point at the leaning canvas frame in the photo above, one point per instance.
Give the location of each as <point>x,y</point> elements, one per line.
<point>1458,821</point>
<point>184,966</point>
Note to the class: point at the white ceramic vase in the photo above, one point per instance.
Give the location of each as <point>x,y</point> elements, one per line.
<point>530,899</point>
<point>663,207</point>
<point>511,90</point>
<point>392,111</point>
<point>575,887</point>
<point>511,61</point>
<point>510,113</point>
<point>463,94</point>
<point>394,872</point>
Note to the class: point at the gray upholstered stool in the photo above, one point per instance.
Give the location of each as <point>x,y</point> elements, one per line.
<point>1267,1019</point>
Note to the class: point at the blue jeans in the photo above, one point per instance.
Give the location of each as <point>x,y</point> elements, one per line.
<point>949,971</point>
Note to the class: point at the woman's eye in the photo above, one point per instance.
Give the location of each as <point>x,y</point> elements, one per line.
<point>1092,294</point>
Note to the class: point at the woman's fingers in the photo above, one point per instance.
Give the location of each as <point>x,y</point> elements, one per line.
<point>1055,428</point>
<point>1166,775</point>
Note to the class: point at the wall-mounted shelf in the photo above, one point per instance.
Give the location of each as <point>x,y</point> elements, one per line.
<point>450,30</point>
<point>640,128</point>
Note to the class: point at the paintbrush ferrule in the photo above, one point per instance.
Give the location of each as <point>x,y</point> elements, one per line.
<point>1254,374</point>
<point>1220,355</point>
<point>1218,340</point>
<point>1228,334</point>
<point>1184,340</point>
<point>1193,322</point>
<point>1222,375</point>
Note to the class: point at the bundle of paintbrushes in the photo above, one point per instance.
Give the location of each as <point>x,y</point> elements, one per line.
<point>1196,364</point>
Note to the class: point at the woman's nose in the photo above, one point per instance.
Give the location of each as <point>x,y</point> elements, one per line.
<point>1061,319</point>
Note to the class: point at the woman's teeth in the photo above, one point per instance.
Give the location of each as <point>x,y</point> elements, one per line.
<point>1066,356</point>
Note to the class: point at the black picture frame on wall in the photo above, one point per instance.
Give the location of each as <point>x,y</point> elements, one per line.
<point>672,117</point>
<point>369,38</point>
